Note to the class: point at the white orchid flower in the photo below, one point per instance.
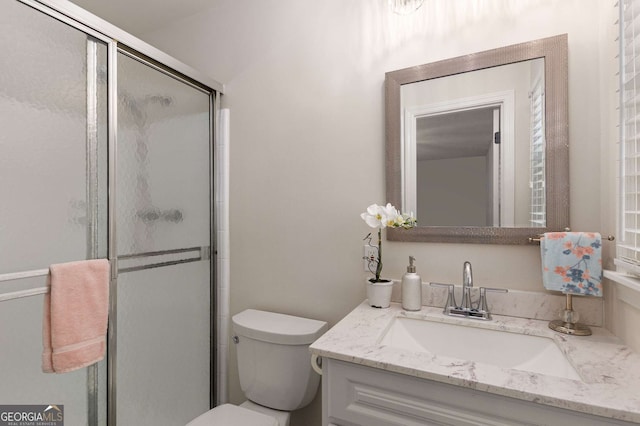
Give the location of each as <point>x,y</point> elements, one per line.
<point>390,215</point>
<point>406,221</point>
<point>374,216</point>
<point>386,216</point>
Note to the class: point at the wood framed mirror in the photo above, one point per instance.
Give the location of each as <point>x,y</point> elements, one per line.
<point>477,146</point>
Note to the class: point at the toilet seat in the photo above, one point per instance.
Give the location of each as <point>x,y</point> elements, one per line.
<point>232,415</point>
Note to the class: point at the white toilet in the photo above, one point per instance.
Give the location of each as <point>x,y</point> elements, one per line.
<point>275,369</point>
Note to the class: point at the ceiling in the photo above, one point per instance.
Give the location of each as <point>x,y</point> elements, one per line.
<point>142,16</point>
<point>455,134</point>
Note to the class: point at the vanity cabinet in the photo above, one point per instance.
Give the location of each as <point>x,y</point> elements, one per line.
<point>356,395</point>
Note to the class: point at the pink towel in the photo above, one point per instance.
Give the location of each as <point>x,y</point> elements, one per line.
<point>74,322</point>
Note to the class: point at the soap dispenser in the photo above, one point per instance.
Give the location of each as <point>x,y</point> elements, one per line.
<point>411,288</point>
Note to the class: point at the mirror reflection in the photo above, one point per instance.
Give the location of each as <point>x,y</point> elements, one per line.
<point>474,147</point>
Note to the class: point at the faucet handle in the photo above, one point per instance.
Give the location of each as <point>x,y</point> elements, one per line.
<point>451,298</point>
<point>482,303</point>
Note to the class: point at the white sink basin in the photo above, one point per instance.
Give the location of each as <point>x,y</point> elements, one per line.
<point>500,348</point>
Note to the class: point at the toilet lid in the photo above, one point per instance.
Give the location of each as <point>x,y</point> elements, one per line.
<point>232,415</point>
<point>277,328</point>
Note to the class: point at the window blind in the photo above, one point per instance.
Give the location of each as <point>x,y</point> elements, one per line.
<point>628,252</point>
<point>538,202</point>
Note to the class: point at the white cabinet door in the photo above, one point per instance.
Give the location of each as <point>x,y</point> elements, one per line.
<point>357,395</point>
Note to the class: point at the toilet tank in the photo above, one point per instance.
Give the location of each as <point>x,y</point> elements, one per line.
<point>274,361</point>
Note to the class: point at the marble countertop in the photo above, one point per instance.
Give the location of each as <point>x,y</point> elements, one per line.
<point>610,370</point>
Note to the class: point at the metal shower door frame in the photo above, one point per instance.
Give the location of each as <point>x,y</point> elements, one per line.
<point>92,213</point>
<point>209,252</point>
<point>108,34</point>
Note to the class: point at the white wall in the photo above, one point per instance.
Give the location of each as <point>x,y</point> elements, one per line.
<point>304,82</point>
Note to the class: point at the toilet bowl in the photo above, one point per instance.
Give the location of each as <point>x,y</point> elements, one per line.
<point>275,370</point>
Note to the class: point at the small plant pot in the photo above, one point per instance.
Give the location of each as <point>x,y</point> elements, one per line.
<point>379,293</point>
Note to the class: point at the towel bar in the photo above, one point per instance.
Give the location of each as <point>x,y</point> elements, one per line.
<point>26,274</point>
<point>22,275</point>
<point>536,240</point>
<point>24,293</point>
<point>202,253</point>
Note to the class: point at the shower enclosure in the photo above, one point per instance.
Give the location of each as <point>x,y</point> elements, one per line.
<point>105,152</point>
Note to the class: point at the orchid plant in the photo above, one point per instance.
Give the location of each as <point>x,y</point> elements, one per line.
<point>381,217</point>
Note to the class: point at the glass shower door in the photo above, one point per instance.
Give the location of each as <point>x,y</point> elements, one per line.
<point>163,300</point>
<point>53,186</point>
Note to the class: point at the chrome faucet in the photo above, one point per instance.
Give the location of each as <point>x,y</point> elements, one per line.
<point>467,283</point>
<point>466,309</point>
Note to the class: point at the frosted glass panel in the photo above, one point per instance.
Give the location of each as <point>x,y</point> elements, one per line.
<point>44,143</point>
<point>163,345</point>
<point>53,190</point>
<point>163,205</point>
<point>23,381</point>
<point>163,161</point>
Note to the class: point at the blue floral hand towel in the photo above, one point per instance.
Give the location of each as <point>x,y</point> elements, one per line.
<point>572,262</point>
